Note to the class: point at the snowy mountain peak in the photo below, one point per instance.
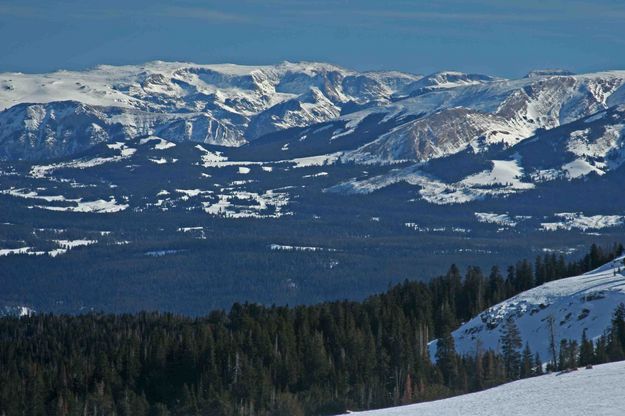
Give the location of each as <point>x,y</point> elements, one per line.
<point>444,80</point>
<point>536,73</point>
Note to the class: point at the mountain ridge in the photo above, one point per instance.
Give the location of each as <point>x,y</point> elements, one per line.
<point>228,104</point>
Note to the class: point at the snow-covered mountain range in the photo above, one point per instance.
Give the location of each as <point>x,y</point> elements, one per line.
<point>63,112</point>
<point>593,144</point>
<point>476,115</point>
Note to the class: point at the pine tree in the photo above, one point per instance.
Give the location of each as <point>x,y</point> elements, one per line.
<point>496,286</point>
<point>479,366</point>
<point>601,350</point>
<point>527,362</point>
<point>586,353</point>
<point>552,343</point>
<point>616,338</point>
<point>474,288</point>
<point>572,354</point>
<point>562,356</point>
<point>618,324</point>
<point>539,271</point>
<point>524,276</point>
<point>446,358</point>
<point>538,369</point>
<point>510,345</point>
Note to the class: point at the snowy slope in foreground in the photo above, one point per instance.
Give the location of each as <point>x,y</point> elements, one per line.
<point>576,303</point>
<point>596,392</point>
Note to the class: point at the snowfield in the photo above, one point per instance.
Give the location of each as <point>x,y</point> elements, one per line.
<point>596,392</point>
<point>282,247</point>
<point>577,220</point>
<point>16,311</point>
<point>503,220</point>
<point>41,171</point>
<point>503,178</point>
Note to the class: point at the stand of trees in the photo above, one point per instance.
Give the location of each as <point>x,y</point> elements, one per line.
<point>257,360</point>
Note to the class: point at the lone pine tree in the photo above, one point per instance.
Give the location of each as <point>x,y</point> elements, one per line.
<point>510,345</point>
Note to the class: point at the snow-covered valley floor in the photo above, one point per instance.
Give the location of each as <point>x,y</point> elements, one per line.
<point>596,392</point>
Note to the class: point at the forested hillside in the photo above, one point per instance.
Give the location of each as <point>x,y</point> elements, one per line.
<point>256,360</point>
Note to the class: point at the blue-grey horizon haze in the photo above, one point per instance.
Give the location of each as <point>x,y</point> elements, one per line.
<point>505,38</point>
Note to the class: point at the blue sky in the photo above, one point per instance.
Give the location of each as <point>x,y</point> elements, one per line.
<point>502,37</point>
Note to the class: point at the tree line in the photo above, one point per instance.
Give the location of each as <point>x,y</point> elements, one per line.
<point>278,360</point>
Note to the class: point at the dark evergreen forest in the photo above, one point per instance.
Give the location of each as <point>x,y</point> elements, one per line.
<point>305,360</point>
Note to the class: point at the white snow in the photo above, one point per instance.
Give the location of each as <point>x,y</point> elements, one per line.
<point>577,220</point>
<point>66,245</point>
<point>579,168</point>
<point>575,303</point>
<point>75,204</point>
<point>190,193</point>
<point>425,229</point>
<point>209,158</point>
<point>492,218</point>
<point>18,310</point>
<point>593,392</point>
<point>209,103</point>
<point>57,252</point>
<point>40,171</point>
<point>581,145</point>
<point>320,160</point>
<point>217,160</point>
<point>99,206</point>
<point>197,232</point>
<point>10,251</point>
<point>316,175</point>
<point>189,229</point>
<point>216,103</point>
<point>282,247</point>
<point>269,204</point>
<point>21,193</point>
<point>70,244</point>
<point>505,177</point>
<point>503,172</point>
<point>161,144</point>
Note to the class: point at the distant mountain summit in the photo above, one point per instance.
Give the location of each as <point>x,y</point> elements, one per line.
<point>217,104</point>
<point>446,79</point>
<point>548,72</point>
